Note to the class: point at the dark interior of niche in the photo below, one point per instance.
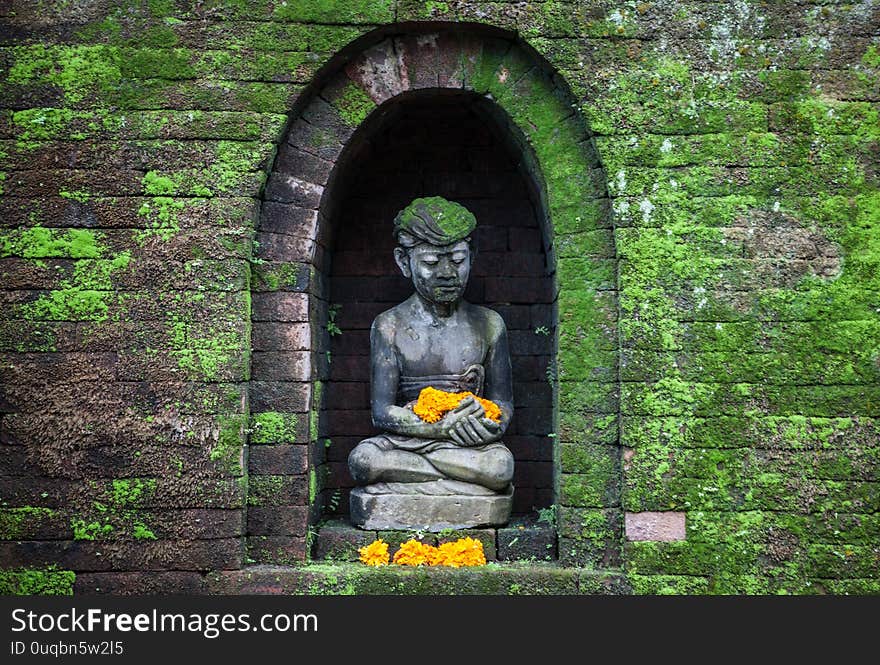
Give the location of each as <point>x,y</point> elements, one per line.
<point>450,145</point>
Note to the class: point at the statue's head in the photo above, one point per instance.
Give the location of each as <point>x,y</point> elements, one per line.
<point>434,247</point>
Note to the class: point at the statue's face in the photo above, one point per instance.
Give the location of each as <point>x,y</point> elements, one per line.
<point>439,274</point>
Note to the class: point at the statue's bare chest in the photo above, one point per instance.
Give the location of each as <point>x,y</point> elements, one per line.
<point>446,348</point>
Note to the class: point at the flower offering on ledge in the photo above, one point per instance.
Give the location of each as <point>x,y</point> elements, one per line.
<point>375,554</point>
<point>456,554</point>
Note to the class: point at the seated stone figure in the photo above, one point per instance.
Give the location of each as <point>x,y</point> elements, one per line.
<point>453,473</point>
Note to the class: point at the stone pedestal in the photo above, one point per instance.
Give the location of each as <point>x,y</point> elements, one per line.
<point>390,510</point>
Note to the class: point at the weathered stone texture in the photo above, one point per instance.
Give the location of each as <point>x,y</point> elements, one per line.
<point>710,334</point>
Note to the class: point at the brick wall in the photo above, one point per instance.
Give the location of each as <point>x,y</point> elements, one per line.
<point>724,152</point>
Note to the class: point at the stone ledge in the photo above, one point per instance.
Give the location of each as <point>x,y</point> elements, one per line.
<point>524,538</point>
<point>358,579</point>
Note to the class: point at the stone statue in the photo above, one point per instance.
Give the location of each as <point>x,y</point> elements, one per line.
<point>455,472</point>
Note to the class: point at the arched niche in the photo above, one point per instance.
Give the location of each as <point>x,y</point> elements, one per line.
<point>517,152</point>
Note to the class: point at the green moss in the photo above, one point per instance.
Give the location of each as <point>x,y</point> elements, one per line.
<point>16,523</point>
<point>162,211</point>
<point>336,11</point>
<point>39,242</point>
<point>273,427</point>
<point>155,184</point>
<point>230,440</point>
<point>117,514</point>
<point>83,530</point>
<point>79,70</point>
<point>86,295</point>
<point>79,195</point>
<point>37,582</point>
<point>35,127</point>
<point>354,105</point>
<point>313,486</point>
<point>454,221</point>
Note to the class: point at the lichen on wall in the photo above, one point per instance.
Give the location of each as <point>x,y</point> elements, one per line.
<point>728,280</point>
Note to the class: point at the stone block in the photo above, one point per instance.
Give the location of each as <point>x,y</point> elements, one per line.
<point>338,540</point>
<point>660,526</point>
<point>428,512</point>
<point>526,539</point>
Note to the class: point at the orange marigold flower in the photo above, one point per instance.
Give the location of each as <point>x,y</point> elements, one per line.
<point>375,554</point>
<point>462,552</point>
<point>433,404</point>
<point>414,553</point>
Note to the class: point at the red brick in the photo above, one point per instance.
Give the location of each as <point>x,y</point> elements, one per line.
<point>350,368</point>
<point>278,459</point>
<point>359,316</point>
<point>314,140</point>
<point>518,290</point>
<point>281,337</point>
<point>278,550</point>
<point>533,474</point>
<point>530,448</point>
<point>288,219</point>
<point>450,72</point>
<point>124,555</point>
<point>285,396</point>
<point>341,395</point>
<point>378,71</point>
<point>529,368</point>
<point>350,343</point>
<point>277,521</point>
<point>277,366</point>
<point>281,248</point>
<point>363,264</point>
<point>532,393</point>
<point>529,420</point>
<point>298,163</point>
<point>340,447</point>
<point>419,58</point>
<point>525,240</point>
<point>338,475</point>
<point>529,343</point>
<point>347,423</point>
<point>283,188</point>
<point>293,307</point>
<point>140,584</point>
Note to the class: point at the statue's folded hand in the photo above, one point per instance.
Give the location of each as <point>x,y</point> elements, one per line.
<point>467,425</point>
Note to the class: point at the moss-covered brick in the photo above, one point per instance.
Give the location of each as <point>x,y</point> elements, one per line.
<point>767,368</point>
<point>276,490</point>
<point>273,427</point>
<point>668,585</point>
<point>351,101</point>
<point>37,582</point>
<point>78,70</point>
<point>596,428</point>
<point>712,198</point>
<point>513,578</point>
<point>230,442</point>
<point>589,537</point>
<point>677,397</point>
<point>336,11</point>
<point>578,397</point>
<point>20,523</point>
<point>280,276</point>
<point>778,433</point>
<point>115,511</point>
<point>599,244</point>
<point>595,489</point>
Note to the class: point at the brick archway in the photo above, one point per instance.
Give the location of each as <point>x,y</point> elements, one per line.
<point>290,281</point>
